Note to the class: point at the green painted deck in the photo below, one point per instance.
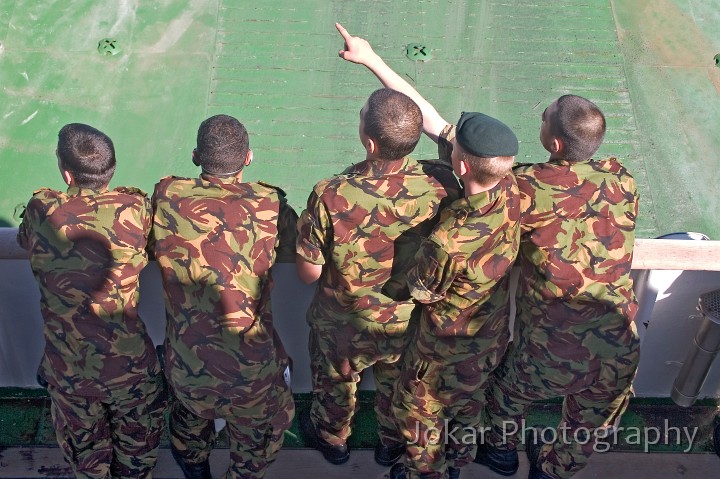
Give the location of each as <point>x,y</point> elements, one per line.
<point>648,64</point>
<point>25,421</point>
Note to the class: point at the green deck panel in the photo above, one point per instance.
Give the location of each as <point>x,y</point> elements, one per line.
<point>648,64</point>
<point>25,421</point>
<point>21,420</point>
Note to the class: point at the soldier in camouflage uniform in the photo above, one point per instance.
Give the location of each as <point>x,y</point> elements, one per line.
<point>460,272</point>
<point>358,235</point>
<point>575,335</point>
<point>87,248</point>
<point>216,238</point>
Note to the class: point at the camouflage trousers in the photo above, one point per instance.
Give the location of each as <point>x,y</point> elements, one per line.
<point>113,437</point>
<point>255,432</point>
<point>337,359</point>
<point>596,392</point>
<point>439,399</point>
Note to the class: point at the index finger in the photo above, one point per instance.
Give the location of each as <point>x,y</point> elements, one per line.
<point>344,33</point>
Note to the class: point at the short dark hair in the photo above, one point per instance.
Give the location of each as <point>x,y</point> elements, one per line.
<point>88,154</point>
<point>394,122</point>
<point>222,145</point>
<point>487,171</point>
<point>580,125</point>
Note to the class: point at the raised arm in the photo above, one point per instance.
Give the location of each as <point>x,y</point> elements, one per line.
<point>358,50</point>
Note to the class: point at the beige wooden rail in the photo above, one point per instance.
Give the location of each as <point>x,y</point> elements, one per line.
<point>676,254</point>
<point>649,253</point>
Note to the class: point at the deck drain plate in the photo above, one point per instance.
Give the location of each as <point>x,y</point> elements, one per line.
<point>108,46</point>
<point>418,52</point>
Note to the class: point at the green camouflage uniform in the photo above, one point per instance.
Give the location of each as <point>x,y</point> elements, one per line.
<point>575,335</point>
<point>86,249</point>
<point>461,274</point>
<point>215,240</point>
<point>364,226</point>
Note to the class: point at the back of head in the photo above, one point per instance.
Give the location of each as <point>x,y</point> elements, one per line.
<point>222,145</point>
<point>394,122</point>
<point>88,154</point>
<point>488,171</point>
<point>580,125</point>
<point>487,145</point>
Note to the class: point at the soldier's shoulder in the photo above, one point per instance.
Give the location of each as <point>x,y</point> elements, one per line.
<point>171,181</point>
<point>440,171</point>
<point>45,192</point>
<point>613,164</point>
<point>131,191</point>
<point>439,164</point>
<point>333,182</point>
<point>272,187</point>
<point>436,167</point>
<point>44,198</point>
<point>525,168</point>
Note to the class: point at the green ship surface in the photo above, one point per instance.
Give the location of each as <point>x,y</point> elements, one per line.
<point>148,72</point>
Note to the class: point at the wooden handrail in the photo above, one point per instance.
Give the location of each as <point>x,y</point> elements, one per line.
<point>649,253</point>
<point>688,255</point>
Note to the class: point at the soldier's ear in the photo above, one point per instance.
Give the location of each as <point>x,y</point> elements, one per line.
<point>68,177</point>
<point>464,168</point>
<point>371,146</point>
<point>248,157</point>
<point>195,159</point>
<point>556,145</point>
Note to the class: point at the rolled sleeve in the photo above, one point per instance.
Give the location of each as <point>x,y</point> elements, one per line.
<point>314,229</point>
<point>24,230</point>
<point>432,274</point>
<point>445,144</point>
<point>287,233</point>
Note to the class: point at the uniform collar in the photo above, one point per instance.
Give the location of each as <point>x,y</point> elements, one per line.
<point>78,191</point>
<point>379,167</point>
<point>481,202</point>
<point>562,162</point>
<point>227,180</point>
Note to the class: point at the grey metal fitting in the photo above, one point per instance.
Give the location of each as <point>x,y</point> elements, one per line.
<point>702,353</point>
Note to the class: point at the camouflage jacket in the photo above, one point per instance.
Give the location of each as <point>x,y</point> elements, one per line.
<point>86,250</point>
<point>365,227</point>
<point>215,240</point>
<point>462,268</point>
<point>578,227</point>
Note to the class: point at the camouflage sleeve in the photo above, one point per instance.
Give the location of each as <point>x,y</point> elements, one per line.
<point>314,230</point>
<point>25,229</point>
<point>147,217</point>
<point>432,274</point>
<point>287,234</point>
<point>146,209</point>
<point>445,144</point>
<point>151,234</point>
<point>532,215</point>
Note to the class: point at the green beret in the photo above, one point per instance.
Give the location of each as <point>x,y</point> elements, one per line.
<point>485,136</point>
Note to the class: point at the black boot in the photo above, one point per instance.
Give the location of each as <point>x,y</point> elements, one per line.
<point>334,454</point>
<point>503,461</point>
<point>398,471</point>
<point>191,471</point>
<point>388,455</point>
<point>533,453</point>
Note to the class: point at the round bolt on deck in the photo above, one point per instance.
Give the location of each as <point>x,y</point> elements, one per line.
<point>418,52</point>
<point>108,46</point>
